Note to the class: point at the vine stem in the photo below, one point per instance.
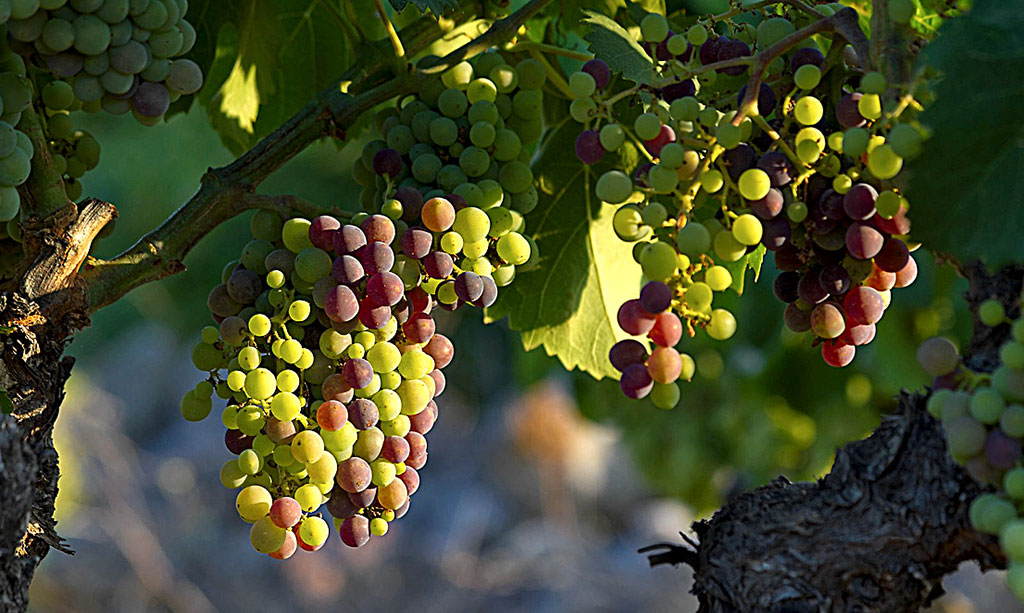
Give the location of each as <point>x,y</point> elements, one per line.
<point>228,191</point>
<point>742,9</point>
<point>547,49</point>
<point>844,22</point>
<point>396,42</point>
<point>553,75</point>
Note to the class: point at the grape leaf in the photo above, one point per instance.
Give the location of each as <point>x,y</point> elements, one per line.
<point>438,7</point>
<point>965,187</point>
<point>568,303</point>
<point>611,43</point>
<point>738,269</point>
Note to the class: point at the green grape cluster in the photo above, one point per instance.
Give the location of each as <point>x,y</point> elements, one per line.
<point>983,418</point>
<point>114,55</point>
<point>804,170</point>
<point>16,153</point>
<point>329,368</point>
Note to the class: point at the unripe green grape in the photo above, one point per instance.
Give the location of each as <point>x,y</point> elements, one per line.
<point>808,151</point>
<point>260,383</point>
<point>722,325</point>
<point>697,35</point>
<point>663,180</point>
<point>653,28</point>
<point>677,44</point>
<point>987,406</point>
<point>754,184</point>
<point>808,110</point>
<point>746,229</point>
<point>583,109</point>
<point>659,261</point>
<point>399,426</point>
<point>581,84</point>
<point>514,248</point>
<point>665,395</point>
<point>718,278</point>
<point>305,360</point>
<point>870,106</point>
<point>936,401</point>
<point>835,141</point>
<point>842,184</point>
<point>382,472</point>
<point>807,76</point>
<point>883,162</point>
<point>531,73</point>
<point>771,31</point>
<point>905,140</point>
<point>288,381</point>
<point>481,89</point>
<point>693,239</point>
<point>614,187</point>
<point>195,408</point>
<point>728,248</point>
<point>991,313</point>
<point>378,526</point>
<point>414,395</point>
<point>628,224</point>
<point>654,214</point>
<point>504,78</point>
<point>314,531</point>
<point>452,103</point>
<point>901,11</point>
<point>1017,330</point>
<point>253,502</point>
<point>728,135</point>
<point>671,155</point>
<point>873,83</point>
<point>259,324</point>
<point>855,141</point>
<point>249,358</point>
<point>231,476</point>
<point>698,296</point>
<point>502,223</point>
<point>612,136</point>
<point>709,117</point>
<point>712,181</point>
<point>249,462</point>
<point>647,126</point>
<point>414,364</point>
<point>458,76</point>
<point>1012,355</point>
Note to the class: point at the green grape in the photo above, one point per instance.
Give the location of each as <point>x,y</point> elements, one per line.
<point>647,126</point>
<point>504,78</point>
<point>722,325</point>
<point>771,31</point>
<point>382,472</point>
<point>697,35</point>
<point>685,109</point>
<point>883,162</point>
<point>901,11</point>
<point>414,395</point>
<point>249,358</point>
<point>612,136</point>
<point>249,462</point>
<point>855,141</point>
<point>253,502</point>
<point>807,76</point>
<point>514,248</point>
<point>754,184</point>
<point>314,531</point>
<point>1011,539</point>
<point>671,155</point>
<point>987,406</point>
<point>653,28</point>
<point>581,84</point>
<point>285,405</point>
<point>693,239</point>
<point>472,223</point>
<point>414,364</point>
<point>323,470</point>
<point>1013,483</point>
<point>808,151</point>
<point>307,446</point>
<point>58,95</point>
<point>936,401</point>
<point>305,360</point>
<point>399,426</point>
<point>709,117</point>
<point>583,110</point>
<point>870,106</point>
<point>665,395</point>
<point>480,89</point>
<point>236,380</point>
<point>654,214</point>
<point>265,225</point>
<point>383,357</point>
<point>1012,420</point>
<point>663,180</point>
<point>295,234</point>
<point>501,224</point>
<point>677,44</point>
<point>991,313</point>
<point>728,248</point>
<point>259,324</point>
<point>15,168</point>
<point>531,73</point>
<point>659,261</point>
<point>378,526</point>
<point>230,475</point>
<point>452,103</point>
<point>698,296</point>
<point>614,187</point>
<point>873,83</point>
<point>1018,330</point>
<point>718,278</point>
<point>458,76</point>
<point>516,177</point>
<point>312,264</point>
<point>260,383</point>
<point>905,140</point>
<point>628,224</point>
<point>835,141</point>
<point>1012,355</point>
<point>195,408</point>
<point>506,145</point>
<point>842,184</point>
<point>291,351</point>
<point>712,181</point>
<point>443,131</point>
<point>728,135</point>
<point>808,110</point>
<point>287,381</point>
<point>474,161</point>
<point>481,134</point>
<point>990,513</point>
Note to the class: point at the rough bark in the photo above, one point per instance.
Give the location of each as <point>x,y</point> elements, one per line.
<point>877,534</point>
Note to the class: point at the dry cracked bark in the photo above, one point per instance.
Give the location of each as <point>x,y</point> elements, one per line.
<point>878,533</point>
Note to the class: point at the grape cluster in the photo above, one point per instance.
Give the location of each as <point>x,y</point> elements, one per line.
<point>115,55</point>
<point>330,362</point>
<point>807,173</point>
<point>16,153</point>
<point>983,418</point>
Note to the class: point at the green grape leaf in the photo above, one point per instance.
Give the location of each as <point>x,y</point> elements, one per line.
<point>610,42</point>
<point>265,59</point>
<point>6,404</point>
<point>965,185</point>
<point>438,7</point>
<point>738,269</point>
<point>568,303</point>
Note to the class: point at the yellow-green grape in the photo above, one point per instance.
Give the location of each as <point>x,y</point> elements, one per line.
<point>259,325</point>
<point>654,214</point>
<point>712,181</point>
<point>262,445</point>
<point>722,325</point>
<point>698,296</point>
<point>583,110</point>
<point>689,367</point>
<point>987,405</point>
<point>612,136</point>
<point>230,475</point>
<point>229,417</point>
<point>285,405</point>
<point>671,155</point>
<point>452,242</point>
<point>665,395</point>
<point>299,310</point>
<point>398,426</point>
<point>870,106</point>
<point>305,360</point>
<point>855,141</point>
<point>307,446</point>
<point>514,248</point>
<point>265,536</point>
<point>295,234</point>
<point>288,381</point>
<point>314,531</point>
<point>835,141</point>
<point>378,526</point>
<point>654,28</point>
<point>253,502</point>
<point>718,278</point>
<point>275,279</point>
<point>991,313</point>
<point>249,462</point>
<point>659,261</point>
<point>747,229</point>
<point>628,224</point>
<point>728,135</point>
<point>389,403</point>
<point>414,364</point>
<point>647,126</point>
<point>1012,354</point>
<point>250,420</point>
<point>365,338</point>
<point>810,134</point>
<point>414,395</point>
<point>502,223</point>
<point>807,76</point>
<point>842,184</point>
<point>309,497</point>
<point>194,408</point>
<point>905,140</point>
<point>754,184</point>
<point>808,110</point>
<point>728,248</point>
<point>480,266</point>
<point>392,209</point>
<point>883,162</point>
<point>249,358</point>
<point>613,187</point>
<point>684,109</point>
<point>209,334</point>
<point>291,351</point>
<point>339,440</point>
<point>875,142</point>
<point>355,351</point>
<point>808,151</point>
<point>382,472</point>
<point>581,84</point>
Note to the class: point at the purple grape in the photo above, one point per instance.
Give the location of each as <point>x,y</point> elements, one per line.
<point>348,239</point>
<point>385,288</point>
<point>769,206</point>
<point>665,136</point>
<point>347,270</point>
<point>828,247</point>
<point>810,289</point>
<point>372,315</point>
<point>708,52</point>
<point>236,441</point>
<point>588,147</point>
<point>378,229</point>
<point>641,173</point>
<point>363,413</point>
<point>678,90</point>
<point>376,257</point>
<point>796,319</point>
<point>661,51</point>
<point>634,319</point>
<point>766,99</point>
<point>489,295</point>
<point>788,258</point>
<point>244,286</point>
<point>468,286</point>
<point>739,159</point>
<point>321,232</point>
<point>438,264</point>
<point>412,203</point>
<point>151,99</point>
<point>1001,450</point>
<point>655,297</point>
<point>863,241</point>
<point>636,382</point>
<point>806,55</point>
<point>778,167</point>
<point>355,531</point>
<point>357,373</point>
<point>341,304</point>
<point>831,205</point>
<point>847,113</point>
<point>785,286</point>
<point>834,279</point>
<point>732,49</point>
<point>863,305</point>
<point>858,335</point>
<point>340,506</point>
<point>893,257</point>
<point>387,162</point>
<point>64,65</point>
<point>859,201</point>
<point>627,352</point>
<point>599,70</point>
<point>416,242</point>
<point>817,185</point>
<point>775,233</point>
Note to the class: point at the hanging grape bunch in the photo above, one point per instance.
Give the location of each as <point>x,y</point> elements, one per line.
<point>805,174</point>
<point>983,417</point>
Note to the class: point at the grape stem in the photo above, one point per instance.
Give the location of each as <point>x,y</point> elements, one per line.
<point>639,143</point>
<point>619,96</point>
<point>844,22</point>
<point>741,9</point>
<point>553,75</point>
<point>772,134</point>
<point>686,203</point>
<point>396,42</point>
<point>229,190</point>
<point>528,46</point>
